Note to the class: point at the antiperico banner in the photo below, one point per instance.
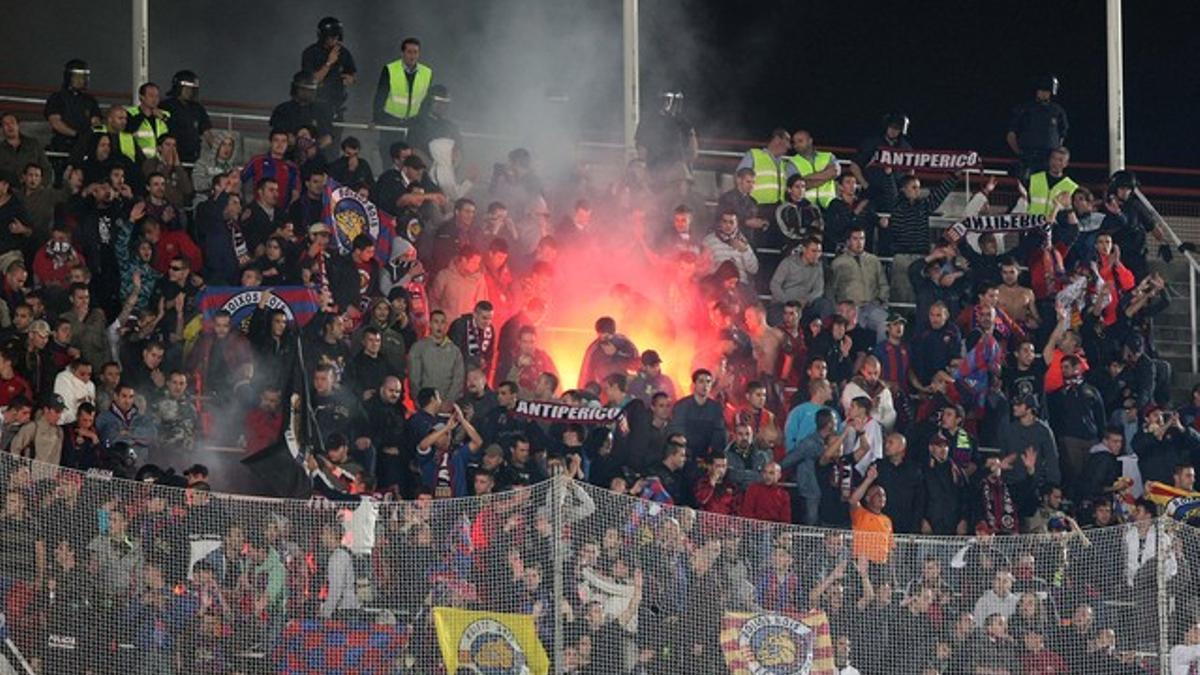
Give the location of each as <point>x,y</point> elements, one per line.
<point>1005,222</point>
<point>947,160</point>
<point>549,411</point>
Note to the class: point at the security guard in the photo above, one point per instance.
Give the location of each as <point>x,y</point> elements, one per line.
<point>403,86</point>
<point>189,119</point>
<point>771,168</point>
<point>148,122</point>
<point>71,112</point>
<point>331,64</point>
<point>303,110</point>
<point>1037,127</point>
<point>820,169</point>
<point>1045,186</point>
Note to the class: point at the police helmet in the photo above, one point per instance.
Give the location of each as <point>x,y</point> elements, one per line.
<point>303,80</point>
<point>439,93</point>
<point>896,120</point>
<point>1047,83</point>
<point>1122,179</point>
<point>330,26</point>
<point>75,67</point>
<point>184,78</point>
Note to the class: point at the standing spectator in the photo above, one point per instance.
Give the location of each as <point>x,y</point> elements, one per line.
<point>177,187</point>
<point>908,229</point>
<point>746,461</point>
<point>700,419</point>
<point>221,359</point>
<point>824,444</point>
<point>999,599</point>
<point>611,352</point>
<point>1185,657</point>
<point>458,288</point>
<point>1077,416</point>
<point>1046,185</point>
<point>867,384</point>
<point>1030,431</point>
<point>767,499</point>
<point>650,379</point>
<point>670,471</point>
<point>435,362</point>
<point>1037,127</point>
<point>872,528</point>
<point>275,165</point>
<point>741,202</point>
<point>843,213</point>
<point>901,478</point>
<point>122,422</point>
<point>858,277</point>
<point>147,121</point>
<point>475,336</point>
<point>42,438</point>
<point>340,586</point>
<point>943,509</point>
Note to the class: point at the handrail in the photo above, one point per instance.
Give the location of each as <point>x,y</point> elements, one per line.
<point>1193,267</point>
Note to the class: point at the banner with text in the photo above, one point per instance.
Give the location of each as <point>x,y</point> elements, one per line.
<point>1005,222</point>
<point>549,411</point>
<point>946,160</point>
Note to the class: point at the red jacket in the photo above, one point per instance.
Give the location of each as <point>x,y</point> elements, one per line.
<point>722,498</point>
<point>172,243</point>
<point>262,429</point>
<point>1117,280</point>
<point>767,502</point>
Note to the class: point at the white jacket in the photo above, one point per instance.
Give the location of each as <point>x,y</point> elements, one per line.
<point>73,392</point>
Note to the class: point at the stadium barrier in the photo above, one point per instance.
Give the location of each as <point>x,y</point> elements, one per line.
<point>109,576</point>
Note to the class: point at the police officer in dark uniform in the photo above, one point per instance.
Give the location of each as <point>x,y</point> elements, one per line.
<point>879,182</point>
<point>331,65</point>
<point>1138,221</point>
<point>189,121</point>
<point>303,110</point>
<point>1037,127</point>
<point>666,141</point>
<point>71,112</point>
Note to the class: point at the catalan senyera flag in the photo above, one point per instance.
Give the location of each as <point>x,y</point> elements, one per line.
<point>770,642</point>
<point>1182,505</point>
<point>491,642</point>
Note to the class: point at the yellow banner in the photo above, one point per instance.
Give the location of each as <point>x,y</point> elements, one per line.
<point>490,642</point>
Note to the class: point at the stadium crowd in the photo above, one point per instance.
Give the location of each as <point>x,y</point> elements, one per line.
<point>881,376</point>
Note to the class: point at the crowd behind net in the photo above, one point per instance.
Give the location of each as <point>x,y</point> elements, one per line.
<point>102,575</point>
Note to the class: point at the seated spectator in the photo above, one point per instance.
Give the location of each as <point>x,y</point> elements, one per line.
<point>745,460</point>
<point>715,492</point>
<point>74,385</point>
<point>726,242</point>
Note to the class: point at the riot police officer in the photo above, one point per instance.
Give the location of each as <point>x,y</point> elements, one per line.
<point>304,110</point>
<point>331,64</point>
<point>71,111</point>
<point>879,181</point>
<point>1037,127</point>
<point>1137,223</point>
<point>189,119</point>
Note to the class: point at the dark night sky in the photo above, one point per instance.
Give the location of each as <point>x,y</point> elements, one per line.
<point>957,68</point>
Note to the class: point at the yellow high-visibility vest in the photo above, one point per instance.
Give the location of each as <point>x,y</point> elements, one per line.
<point>151,129</point>
<point>826,192</point>
<point>770,178</point>
<point>401,102</point>
<point>125,141</point>
<point>1042,196</point>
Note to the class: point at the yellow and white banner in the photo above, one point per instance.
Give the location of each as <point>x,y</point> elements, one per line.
<point>489,642</point>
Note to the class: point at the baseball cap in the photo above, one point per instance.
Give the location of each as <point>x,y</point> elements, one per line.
<point>318,228</point>
<point>40,327</point>
<point>494,450</point>
<point>651,358</point>
<point>896,317</point>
